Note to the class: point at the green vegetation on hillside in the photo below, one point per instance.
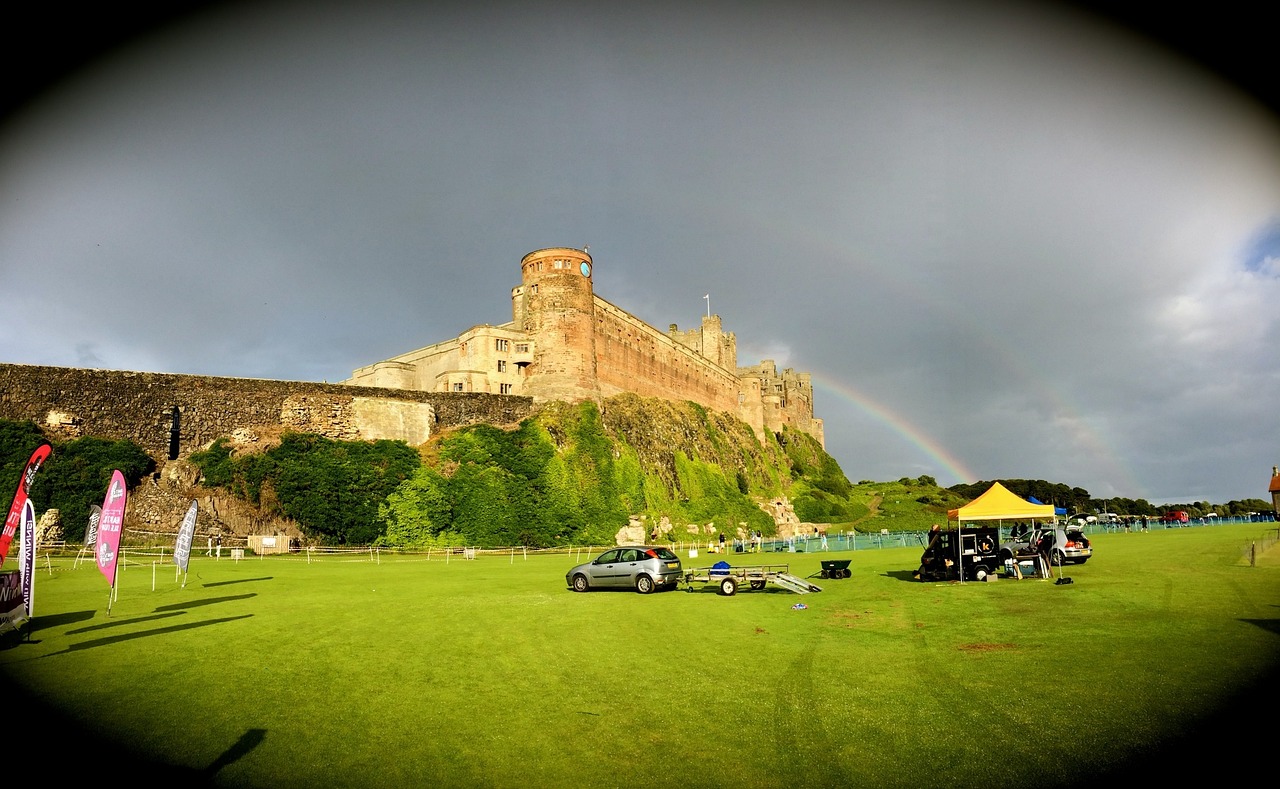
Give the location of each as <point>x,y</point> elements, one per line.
<point>494,487</point>
<point>74,478</point>
<point>564,476</point>
<point>332,489</point>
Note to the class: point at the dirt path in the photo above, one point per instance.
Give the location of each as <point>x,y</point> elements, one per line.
<point>873,509</point>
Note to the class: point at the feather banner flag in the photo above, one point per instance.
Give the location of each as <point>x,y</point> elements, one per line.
<point>108,547</point>
<point>27,556</point>
<point>182,549</point>
<point>24,488</point>
<point>91,533</point>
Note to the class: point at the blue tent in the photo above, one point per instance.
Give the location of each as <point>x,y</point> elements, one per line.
<point>1056,510</point>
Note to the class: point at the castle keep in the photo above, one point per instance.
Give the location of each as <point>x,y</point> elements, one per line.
<point>566,343</point>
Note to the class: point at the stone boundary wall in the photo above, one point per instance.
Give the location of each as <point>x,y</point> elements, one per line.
<point>632,356</point>
<point>138,406</point>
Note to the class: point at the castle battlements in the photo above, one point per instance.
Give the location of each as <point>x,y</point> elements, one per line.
<point>566,343</point>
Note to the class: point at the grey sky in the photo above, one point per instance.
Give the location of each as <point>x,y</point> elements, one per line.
<point>1007,240</point>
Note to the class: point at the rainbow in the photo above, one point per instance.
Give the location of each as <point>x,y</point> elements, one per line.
<point>947,460</point>
<point>898,424</point>
<point>1085,434</point>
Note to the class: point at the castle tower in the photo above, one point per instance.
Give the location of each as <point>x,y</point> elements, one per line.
<point>555,305</point>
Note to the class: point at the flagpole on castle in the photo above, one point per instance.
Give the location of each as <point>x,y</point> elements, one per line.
<point>708,300</point>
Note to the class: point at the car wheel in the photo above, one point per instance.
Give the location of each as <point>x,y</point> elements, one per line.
<point>644,584</point>
<point>980,573</point>
<point>1058,559</point>
<point>580,583</point>
<point>1006,555</point>
<point>728,587</point>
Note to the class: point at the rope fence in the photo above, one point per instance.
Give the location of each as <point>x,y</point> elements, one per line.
<point>149,548</point>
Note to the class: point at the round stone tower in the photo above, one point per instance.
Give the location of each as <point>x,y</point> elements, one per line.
<point>555,304</point>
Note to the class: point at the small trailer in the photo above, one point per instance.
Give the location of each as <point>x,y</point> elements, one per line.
<point>834,568</point>
<point>756,577</point>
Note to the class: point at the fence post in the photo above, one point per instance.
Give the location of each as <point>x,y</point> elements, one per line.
<point>1253,554</point>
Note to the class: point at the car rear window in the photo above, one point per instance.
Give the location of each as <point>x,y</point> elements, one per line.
<point>664,554</point>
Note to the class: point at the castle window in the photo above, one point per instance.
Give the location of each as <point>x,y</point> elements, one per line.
<point>504,388</point>
<point>457,387</point>
<point>501,345</point>
<point>502,365</point>
<point>522,347</point>
<point>535,287</point>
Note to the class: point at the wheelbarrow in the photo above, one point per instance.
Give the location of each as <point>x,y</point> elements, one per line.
<point>835,568</point>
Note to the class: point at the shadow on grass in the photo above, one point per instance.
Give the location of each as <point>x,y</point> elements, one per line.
<point>623,589</point>
<point>120,623</point>
<point>902,575</point>
<point>1270,625</point>
<point>210,601</point>
<point>1228,734</point>
<point>101,642</point>
<point>22,634</point>
<point>714,589</point>
<point>242,747</point>
<point>57,620</point>
<point>238,581</point>
<point>50,731</point>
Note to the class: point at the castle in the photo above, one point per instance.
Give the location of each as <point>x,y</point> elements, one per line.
<point>566,343</point>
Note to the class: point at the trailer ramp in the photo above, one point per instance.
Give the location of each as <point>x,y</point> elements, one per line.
<point>794,584</point>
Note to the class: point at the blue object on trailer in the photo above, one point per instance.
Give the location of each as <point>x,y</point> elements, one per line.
<point>720,568</point>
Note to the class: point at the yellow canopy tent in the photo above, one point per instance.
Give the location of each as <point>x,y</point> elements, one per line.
<point>1000,503</point>
<point>997,504</point>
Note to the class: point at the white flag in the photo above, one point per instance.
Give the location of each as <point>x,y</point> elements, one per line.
<point>182,550</point>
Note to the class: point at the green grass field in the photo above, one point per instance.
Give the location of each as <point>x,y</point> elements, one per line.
<point>279,672</point>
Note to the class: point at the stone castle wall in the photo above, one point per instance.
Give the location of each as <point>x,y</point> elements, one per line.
<point>632,356</point>
<point>138,406</point>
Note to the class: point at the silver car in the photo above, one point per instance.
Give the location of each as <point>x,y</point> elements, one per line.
<point>1060,544</point>
<point>640,567</point>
